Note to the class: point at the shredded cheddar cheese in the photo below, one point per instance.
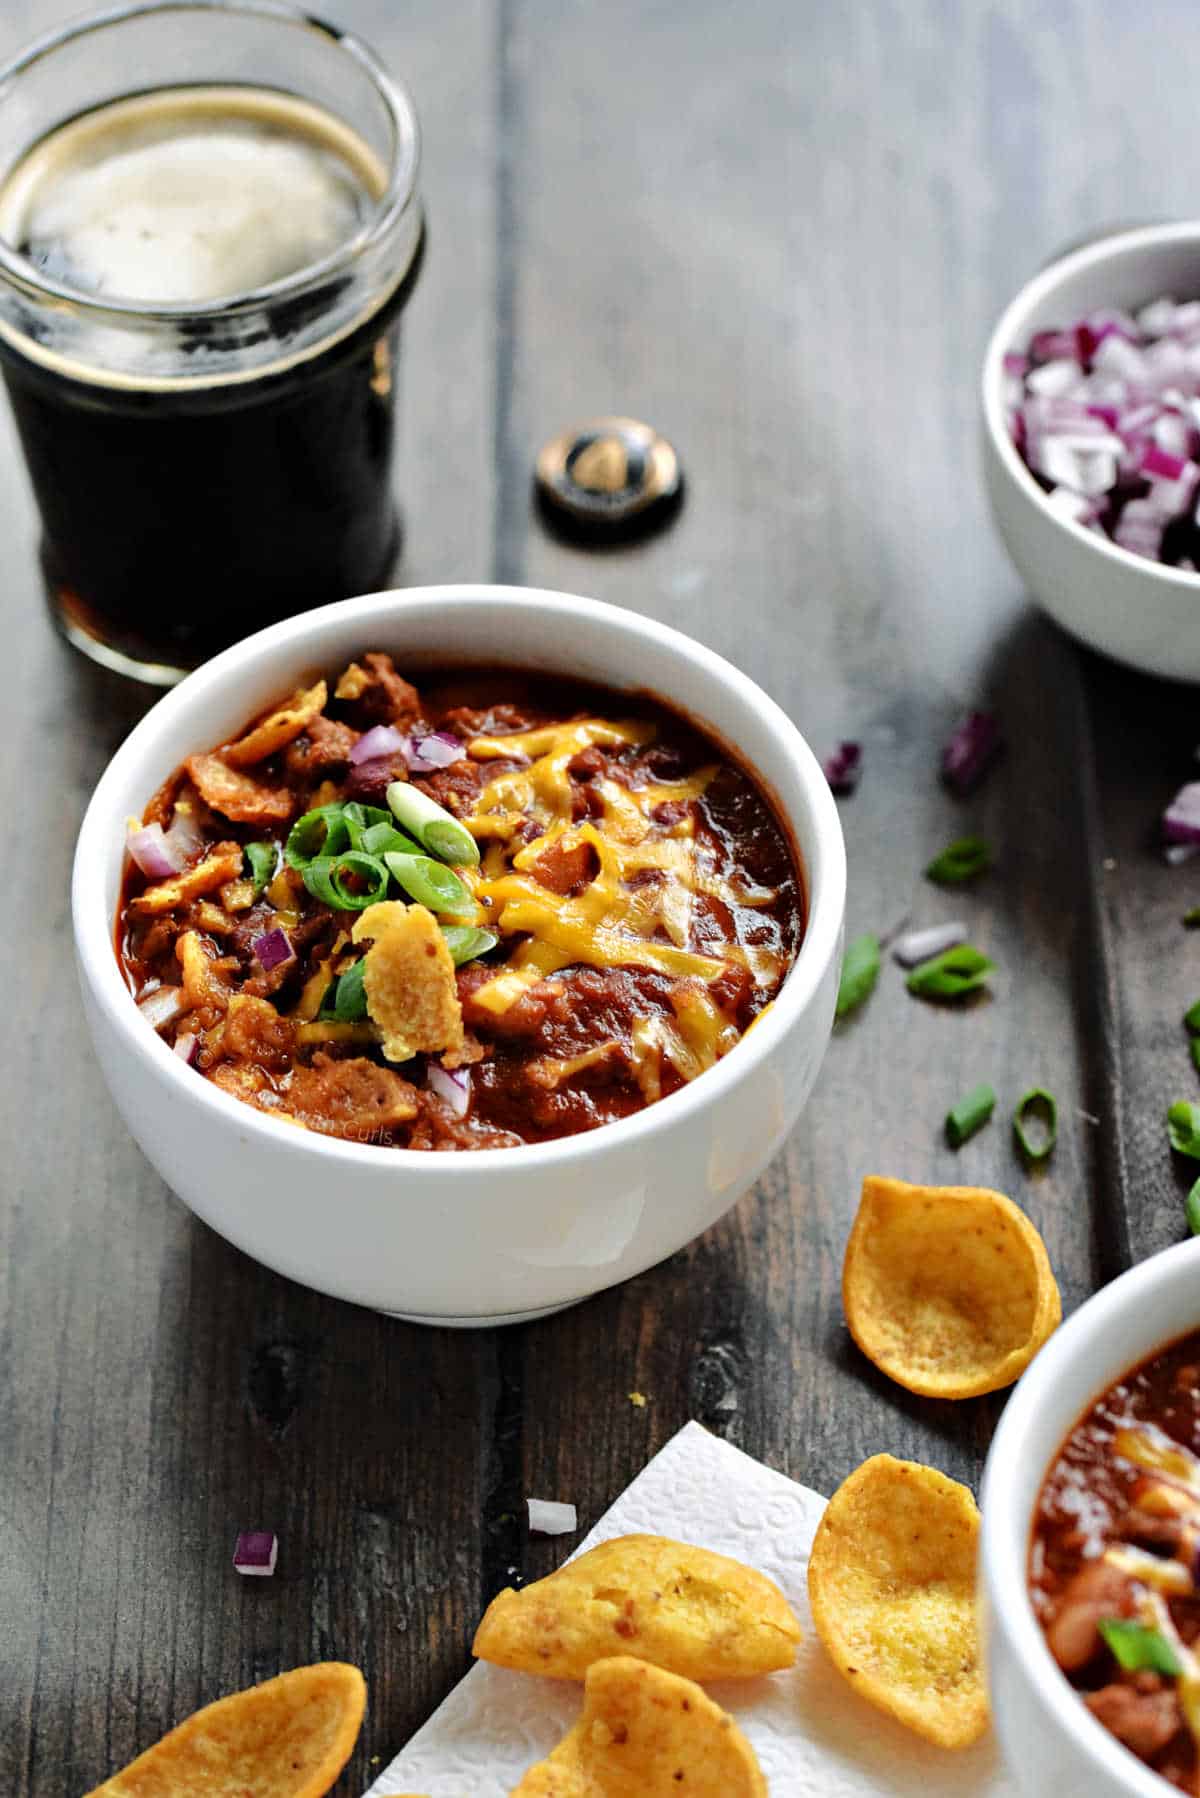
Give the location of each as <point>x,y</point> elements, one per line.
<point>638,908</point>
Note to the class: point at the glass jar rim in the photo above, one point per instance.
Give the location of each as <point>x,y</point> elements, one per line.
<point>403,166</point>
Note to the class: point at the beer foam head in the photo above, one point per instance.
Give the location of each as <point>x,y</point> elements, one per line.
<point>185,199</point>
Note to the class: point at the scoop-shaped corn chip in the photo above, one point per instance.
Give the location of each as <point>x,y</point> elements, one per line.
<point>947,1289</point>
<point>288,1738</point>
<point>693,1612</point>
<point>408,977</point>
<point>646,1733</point>
<point>891,1580</point>
<point>279,728</point>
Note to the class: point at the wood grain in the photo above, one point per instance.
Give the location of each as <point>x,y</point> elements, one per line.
<point>780,233</point>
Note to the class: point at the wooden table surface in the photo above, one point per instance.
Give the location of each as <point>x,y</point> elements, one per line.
<point>781,232</point>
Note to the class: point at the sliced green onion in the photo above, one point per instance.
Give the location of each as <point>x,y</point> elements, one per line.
<point>1138,1649</point>
<point>437,832</point>
<point>1194,1046</point>
<point>323,832</point>
<point>261,860</point>
<point>465,942</point>
<point>860,971</point>
<point>1191,1209</point>
<point>1183,1128</point>
<point>325,880</point>
<point>349,996</point>
<point>970,1114</point>
<point>430,883</point>
<point>377,839</point>
<point>951,974</point>
<point>1191,918</point>
<point>359,818</point>
<point>961,860</point>
<point>1036,1103</point>
<point>1191,1018</point>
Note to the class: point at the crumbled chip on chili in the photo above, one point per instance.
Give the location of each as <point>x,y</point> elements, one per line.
<point>409,980</point>
<point>236,795</point>
<point>254,1031</point>
<point>222,865</point>
<point>278,729</point>
<point>202,983</point>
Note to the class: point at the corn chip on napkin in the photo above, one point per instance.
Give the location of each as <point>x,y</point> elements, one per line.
<point>811,1733</point>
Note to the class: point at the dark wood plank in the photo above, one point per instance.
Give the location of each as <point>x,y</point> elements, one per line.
<point>158,1391</point>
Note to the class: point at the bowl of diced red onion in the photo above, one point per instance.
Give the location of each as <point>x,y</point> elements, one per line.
<point>1091,399</point>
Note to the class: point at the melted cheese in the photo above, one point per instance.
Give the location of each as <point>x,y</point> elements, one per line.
<point>637,911</point>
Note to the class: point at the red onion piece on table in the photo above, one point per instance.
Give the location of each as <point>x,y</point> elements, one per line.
<point>187,1047</point>
<point>452,1086</point>
<point>971,751</point>
<point>162,1006</point>
<point>1181,820</point>
<point>439,749</point>
<point>380,740</point>
<point>256,1553</point>
<point>273,949</point>
<point>157,858</point>
<point>916,946</point>
<point>843,768</point>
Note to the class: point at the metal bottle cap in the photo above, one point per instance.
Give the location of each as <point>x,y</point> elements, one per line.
<point>609,477</point>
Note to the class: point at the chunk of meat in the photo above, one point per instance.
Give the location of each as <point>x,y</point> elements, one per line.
<point>222,864</point>
<point>369,782</point>
<point>354,1099</point>
<point>321,748</point>
<point>1144,1721</point>
<point>236,795</point>
<point>377,694</point>
<point>276,730</point>
<point>254,1031</point>
<point>1097,1591</point>
<point>408,978</point>
<point>565,867</point>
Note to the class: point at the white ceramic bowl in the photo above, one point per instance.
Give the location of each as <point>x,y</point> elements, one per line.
<point>502,1233</point>
<point>1051,1741</point>
<point>1131,608</point>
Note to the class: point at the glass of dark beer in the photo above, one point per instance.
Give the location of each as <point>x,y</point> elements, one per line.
<point>209,224</point>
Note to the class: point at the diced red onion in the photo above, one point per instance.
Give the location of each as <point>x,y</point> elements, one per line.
<point>155,856</point>
<point>843,768</point>
<point>452,1086</point>
<point>550,1518</point>
<point>1181,820</point>
<point>162,1006</point>
<point>273,949</point>
<point>916,946</point>
<point>380,740</point>
<point>1108,410</point>
<point>256,1553</point>
<point>185,834</point>
<point>438,749</point>
<point>971,751</point>
<point>187,1047</point>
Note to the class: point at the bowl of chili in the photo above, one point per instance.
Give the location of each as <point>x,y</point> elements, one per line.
<point>624,865</point>
<point>1091,1506</point>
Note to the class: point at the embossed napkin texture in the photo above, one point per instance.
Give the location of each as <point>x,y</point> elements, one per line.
<point>811,1733</point>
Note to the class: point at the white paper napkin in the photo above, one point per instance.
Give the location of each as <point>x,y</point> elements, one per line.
<point>812,1734</point>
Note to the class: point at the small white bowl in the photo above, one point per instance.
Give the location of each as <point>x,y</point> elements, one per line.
<point>502,1233</point>
<point>1138,611</point>
<point>1050,1739</point>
